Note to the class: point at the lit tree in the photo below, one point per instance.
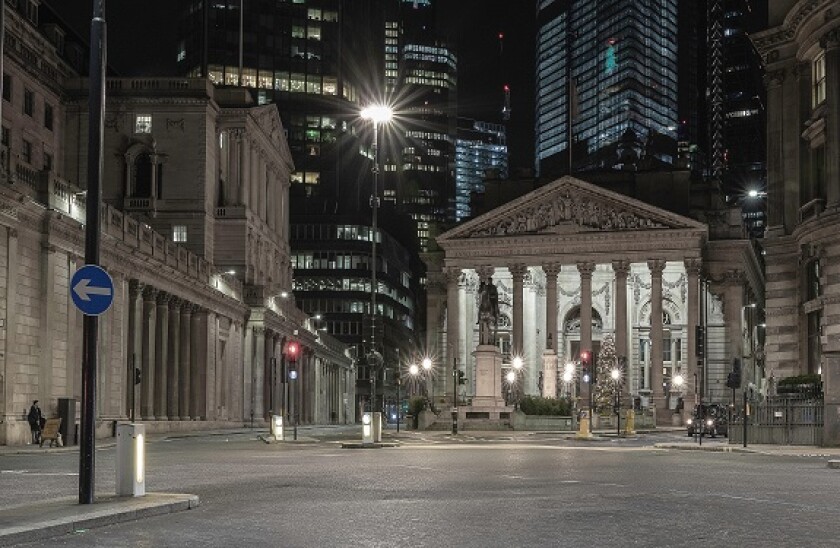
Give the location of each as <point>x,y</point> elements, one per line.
<point>606,387</point>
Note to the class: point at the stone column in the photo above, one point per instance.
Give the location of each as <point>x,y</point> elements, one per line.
<point>831,43</point>
<point>453,319</point>
<point>161,354</point>
<point>733,306</point>
<point>263,190</point>
<point>551,271</point>
<point>621,269</point>
<point>775,158</point>
<point>692,268</point>
<point>435,299</point>
<point>259,371</point>
<point>184,361</point>
<point>198,362</point>
<point>656,267</point>
<point>172,371</point>
<point>248,381</point>
<point>245,168</point>
<point>518,272</point>
<point>147,393</point>
<point>254,178</point>
<point>549,387</point>
<point>135,347</point>
<point>586,269</point>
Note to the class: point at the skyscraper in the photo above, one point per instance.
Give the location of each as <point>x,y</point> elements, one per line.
<point>421,74</point>
<point>480,148</point>
<point>617,61</point>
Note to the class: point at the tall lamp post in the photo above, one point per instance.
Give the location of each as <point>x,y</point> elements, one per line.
<point>427,379</point>
<point>517,368</point>
<point>615,374</point>
<point>378,114</point>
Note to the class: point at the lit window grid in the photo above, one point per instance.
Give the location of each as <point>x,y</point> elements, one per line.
<point>603,121</point>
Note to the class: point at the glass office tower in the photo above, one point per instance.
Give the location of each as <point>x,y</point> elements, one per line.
<point>421,76</point>
<point>621,57</point>
<point>480,152</point>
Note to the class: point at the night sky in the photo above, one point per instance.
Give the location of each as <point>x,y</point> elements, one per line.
<point>142,41</point>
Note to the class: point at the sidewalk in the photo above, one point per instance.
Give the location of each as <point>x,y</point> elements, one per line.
<point>36,521</point>
<point>761,449</point>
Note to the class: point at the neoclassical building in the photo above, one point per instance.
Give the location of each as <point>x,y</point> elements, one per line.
<point>194,234</point>
<point>802,55</point>
<point>574,262</point>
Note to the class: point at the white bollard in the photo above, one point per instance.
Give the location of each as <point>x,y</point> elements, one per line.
<point>131,460</point>
<point>277,427</point>
<point>377,427</point>
<point>367,428</point>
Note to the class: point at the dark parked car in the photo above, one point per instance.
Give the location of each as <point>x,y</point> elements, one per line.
<point>708,419</point>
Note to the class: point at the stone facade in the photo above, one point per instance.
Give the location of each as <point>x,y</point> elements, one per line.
<point>802,55</point>
<point>574,262</point>
<point>194,234</point>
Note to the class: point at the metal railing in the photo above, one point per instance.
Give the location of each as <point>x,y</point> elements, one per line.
<point>781,421</point>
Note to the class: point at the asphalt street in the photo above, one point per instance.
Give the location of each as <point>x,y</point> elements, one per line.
<point>474,491</point>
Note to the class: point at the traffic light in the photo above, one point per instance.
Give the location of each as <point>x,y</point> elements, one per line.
<point>138,375</point>
<point>292,351</point>
<point>540,381</point>
<point>699,341</point>
<point>462,379</point>
<point>585,364</point>
<point>733,380</point>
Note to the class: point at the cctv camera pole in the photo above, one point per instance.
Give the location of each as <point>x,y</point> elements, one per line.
<point>96,114</point>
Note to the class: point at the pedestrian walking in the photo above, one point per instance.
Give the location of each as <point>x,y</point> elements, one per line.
<point>36,421</point>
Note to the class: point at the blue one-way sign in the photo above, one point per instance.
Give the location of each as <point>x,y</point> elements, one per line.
<point>92,290</point>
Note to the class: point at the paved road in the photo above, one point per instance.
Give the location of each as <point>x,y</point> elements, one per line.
<point>523,491</point>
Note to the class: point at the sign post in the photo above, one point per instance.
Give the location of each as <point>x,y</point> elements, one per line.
<point>96,129</point>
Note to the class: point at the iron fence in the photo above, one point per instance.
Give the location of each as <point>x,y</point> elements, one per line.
<point>781,420</point>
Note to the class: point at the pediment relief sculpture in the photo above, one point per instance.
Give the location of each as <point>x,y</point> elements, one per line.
<point>568,213</point>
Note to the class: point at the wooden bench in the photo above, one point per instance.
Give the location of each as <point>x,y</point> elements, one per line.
<point>50,432</point>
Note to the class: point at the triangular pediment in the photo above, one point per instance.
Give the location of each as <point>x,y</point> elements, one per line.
<point>268,120</point>
<point>570,206</point>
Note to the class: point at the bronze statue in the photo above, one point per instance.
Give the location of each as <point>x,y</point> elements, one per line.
<point>488,312</point>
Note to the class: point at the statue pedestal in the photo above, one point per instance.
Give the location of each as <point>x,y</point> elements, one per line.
<point>549,388</point>
<point>488,376</point>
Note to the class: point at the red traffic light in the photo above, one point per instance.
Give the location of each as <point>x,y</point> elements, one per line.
<point>585,356</point>
<point>292,350</point>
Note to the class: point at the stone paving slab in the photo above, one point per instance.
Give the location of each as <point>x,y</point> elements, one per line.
<point>35,521</point>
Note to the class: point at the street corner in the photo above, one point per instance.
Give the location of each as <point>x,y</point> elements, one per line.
<point>42,520</point>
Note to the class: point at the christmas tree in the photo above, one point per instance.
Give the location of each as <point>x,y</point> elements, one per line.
<point>606,387</point>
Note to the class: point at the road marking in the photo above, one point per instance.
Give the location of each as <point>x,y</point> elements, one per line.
<point>28,473</point>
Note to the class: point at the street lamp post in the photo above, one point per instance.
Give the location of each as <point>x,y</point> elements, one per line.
<point>427,379</point>
<point>517,368</point>
<point>399,404</point>
<point>615,374</point>
<point>378,114</point>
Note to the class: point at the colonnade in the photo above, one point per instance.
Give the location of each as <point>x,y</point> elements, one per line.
<point>168,340</point>
<point>585,269</point>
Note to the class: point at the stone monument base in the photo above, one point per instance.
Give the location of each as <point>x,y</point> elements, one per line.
<point>488,377</point>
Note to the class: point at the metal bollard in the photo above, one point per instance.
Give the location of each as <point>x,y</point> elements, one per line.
<point>131,460</point>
